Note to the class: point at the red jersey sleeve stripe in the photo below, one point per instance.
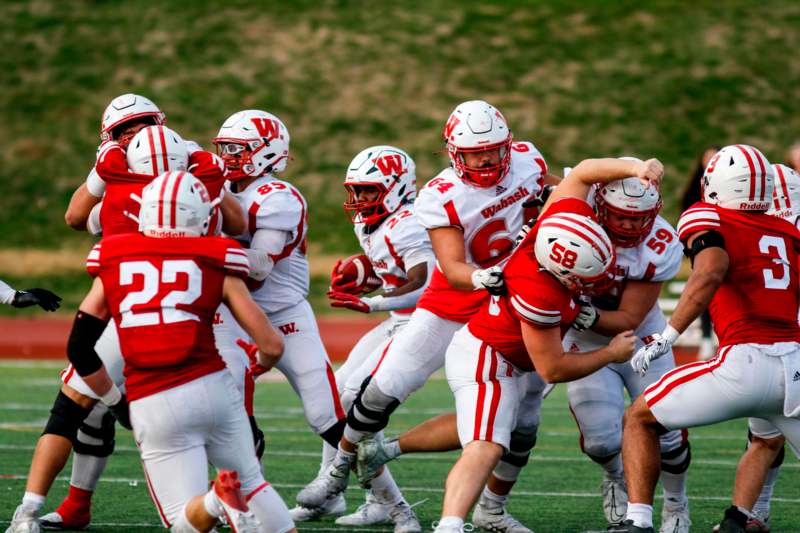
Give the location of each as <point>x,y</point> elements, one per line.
<point>548,318</point>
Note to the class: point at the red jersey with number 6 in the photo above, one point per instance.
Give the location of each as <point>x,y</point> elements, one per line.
<point>758,300</point>
<point>534,296</point>
<point>162,294</point>
<point>490,219</point>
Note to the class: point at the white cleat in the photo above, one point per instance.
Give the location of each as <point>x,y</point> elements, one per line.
<point>466,528</point>
<point>25,520</point>
<point>335,506</point>
<point>404,518</point>
<point>371,457</point>
<point>675,520</point>
<point>497,520</point>
<point>325,486</point>
<point>615,499</point>
<point>369,513</point>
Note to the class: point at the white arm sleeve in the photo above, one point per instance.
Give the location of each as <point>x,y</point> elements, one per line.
<point>403,301</point>
<point>95,184</point>
<point>265,243</point>
<point>6,293</point>
<point>93,222</point>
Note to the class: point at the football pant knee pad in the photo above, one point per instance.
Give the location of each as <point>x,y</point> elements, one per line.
<point>66,418</point>
<point>333,434</point>
<point>96,440</point>
<point>677,460</point>
<point>519,451</point>
<point>602,447</point>
<point>371,409</point>
<point>258,437</point>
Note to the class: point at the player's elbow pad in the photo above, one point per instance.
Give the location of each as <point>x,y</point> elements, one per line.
<point>86,329</point>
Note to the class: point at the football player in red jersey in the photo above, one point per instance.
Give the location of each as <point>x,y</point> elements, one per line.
<point>745,270</point>
<point>567,252</point>
<point>162,288</point>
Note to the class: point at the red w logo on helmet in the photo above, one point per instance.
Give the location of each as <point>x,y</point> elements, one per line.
<point>267,128</point>
<point>450,126</point>
<point>390,165</point>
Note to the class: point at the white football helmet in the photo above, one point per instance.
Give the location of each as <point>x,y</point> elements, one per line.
<point>387,169</point>
<point>629,198</point>
<point>175,204</point>
<point>252,143</point>
<point>576,250</point>
<point>739,177</point>
<point>155,150</point>
<point>125,108</point>
<point>786,195</point>
<point>476,126</point>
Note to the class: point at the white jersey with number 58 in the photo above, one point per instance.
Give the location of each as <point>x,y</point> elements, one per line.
<point>490,218</point>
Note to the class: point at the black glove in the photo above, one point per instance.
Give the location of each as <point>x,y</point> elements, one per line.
<point>42,297</point>
<point>540,200</point>
<point>121,412</point>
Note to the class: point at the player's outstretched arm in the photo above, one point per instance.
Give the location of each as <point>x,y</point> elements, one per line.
<point>80,205</point>
<point>638,298</point>
<point>578,183</point>
<point>253,321</point>
<point>557,366</point>
<point>233,221</point>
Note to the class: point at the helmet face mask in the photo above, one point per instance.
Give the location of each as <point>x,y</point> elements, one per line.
<point>627,210</point>
<point>379,181</point>
<point>265,142</point>
<point>476,127</point>
<point>123,112</point>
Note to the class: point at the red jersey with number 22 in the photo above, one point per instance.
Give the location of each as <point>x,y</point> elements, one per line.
<point>758,300</point>
<point>534,296</point>
<point>163,294</point>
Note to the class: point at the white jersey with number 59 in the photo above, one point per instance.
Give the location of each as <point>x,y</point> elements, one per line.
<point>273,204</point>
<point>490,218</point>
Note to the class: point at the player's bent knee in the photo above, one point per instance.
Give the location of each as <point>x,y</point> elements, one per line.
<point>66,418</point>
<point>371,408</point>
<point>602,447</point>
<point>96,441</point>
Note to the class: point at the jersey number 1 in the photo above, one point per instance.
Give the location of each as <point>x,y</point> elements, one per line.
<point>150,288</point>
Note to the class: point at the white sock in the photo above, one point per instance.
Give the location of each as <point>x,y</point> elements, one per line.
<point>613,467</point>
<point>328,454</point>
<point>674,489</point>
<point>761,506</point>
<point>455,522</point>
<point>33,500</point>
<point>491,499</point>
<point>343,459</point>
<point>182,524</point>
<point>641,514</point>
<point>212,504</point>
<point>385,489</point>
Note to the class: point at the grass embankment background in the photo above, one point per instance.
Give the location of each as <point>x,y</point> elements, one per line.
<point>579,79</point>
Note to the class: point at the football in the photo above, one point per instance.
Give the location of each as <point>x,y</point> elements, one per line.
<point>358,270</point>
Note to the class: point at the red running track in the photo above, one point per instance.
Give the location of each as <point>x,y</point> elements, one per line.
<point>46,338</point>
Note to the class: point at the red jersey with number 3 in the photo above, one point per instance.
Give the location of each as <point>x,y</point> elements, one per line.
<point>758,300</point>
<point>162,294</point>
<point>119,206</point>
<point>490,219</point>
<point>534,296</point>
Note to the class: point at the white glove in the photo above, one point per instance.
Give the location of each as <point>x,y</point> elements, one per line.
<point>587,317</point>
<point>490,279</point>
<point>660,345</point>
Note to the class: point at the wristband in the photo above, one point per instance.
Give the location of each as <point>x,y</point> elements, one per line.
<point>112,397</point>
<point>670,334</point>
<point>375,303</point>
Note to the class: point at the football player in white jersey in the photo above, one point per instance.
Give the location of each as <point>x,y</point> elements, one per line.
<point>254,145</point>
<point>472,211</point>
<point>380,183</point>
<point>648,254</point>
<point>759,466</point>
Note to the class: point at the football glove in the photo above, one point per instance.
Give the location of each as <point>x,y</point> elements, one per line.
<point>490,279</point>
<point>660,344</point>
<point>343,299</point>
<point>587,317</point>
<point>337,281</point>
<point>523,231</point>
<point>256,368</point>
<point>45,299</point>
<point>121,412</point>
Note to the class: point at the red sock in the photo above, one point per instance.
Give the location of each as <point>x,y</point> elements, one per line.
<point>77,506</point>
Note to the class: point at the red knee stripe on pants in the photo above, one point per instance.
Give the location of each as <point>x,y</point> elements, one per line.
<point>378,365</point>
<point>258,489</point>
<point>337,404</point>
<point>683,374</point>
<point>495,399</point>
